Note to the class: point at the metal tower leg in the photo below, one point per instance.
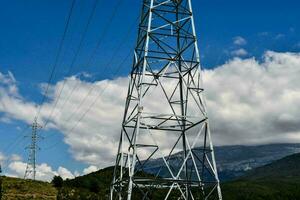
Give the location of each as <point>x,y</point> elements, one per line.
<point>165,114</point>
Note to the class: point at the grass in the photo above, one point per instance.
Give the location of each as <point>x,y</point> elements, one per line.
<point>84,189</point>
<point>19,189</point>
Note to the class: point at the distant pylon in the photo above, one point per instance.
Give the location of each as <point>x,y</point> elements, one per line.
<point>32,148</point>
<point>165,114</point>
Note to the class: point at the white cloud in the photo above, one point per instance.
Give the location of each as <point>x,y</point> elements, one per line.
<point>11,102</point>
<point>15,157</point>
<point>8,78</point>
<point>16,168</point>
<point>239,41</point>
<point>90,169</point>
<point>5,119</point>
<point>65,173</point>
<point>239,52</point>
<point>44,172</point>
<point>77,173</point>
<point>249,102</point>
<point>2,157</point>
<point>247,99</point>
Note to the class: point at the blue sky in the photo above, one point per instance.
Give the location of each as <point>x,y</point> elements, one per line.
<point>31,31</point>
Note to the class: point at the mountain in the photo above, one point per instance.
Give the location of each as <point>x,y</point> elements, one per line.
<point>287,168</point>
<point>235,161</point>
<point>279,180</point>
<point>274,189</point>
<point>95,185</point>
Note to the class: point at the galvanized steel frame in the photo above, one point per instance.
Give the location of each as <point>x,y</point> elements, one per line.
<point>166,50</point>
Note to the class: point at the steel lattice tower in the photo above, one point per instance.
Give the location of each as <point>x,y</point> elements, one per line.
<point>165,115</point>
<point>32,148</point>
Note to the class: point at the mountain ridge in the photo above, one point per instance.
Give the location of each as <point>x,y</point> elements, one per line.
<point>278,180</point>
<point>284,168</point>
<point>234,161</point>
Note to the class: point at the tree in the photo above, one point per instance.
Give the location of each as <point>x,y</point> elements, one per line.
<point>94,186</point>
<point>0,187</point>
<point>57,181</point>
<point>0,183</point>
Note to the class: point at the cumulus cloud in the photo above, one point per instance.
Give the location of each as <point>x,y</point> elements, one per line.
<point>239,41</point>
<point>15,157</point>
<point>239,52</point>
<point>44,172</point>
<point>12,105</point>
<point>90,169</point>
<point>249,102</point>
<point>2,157</point>
<point>15,167</point>
<point>65,173</point>
<point>252,102</point>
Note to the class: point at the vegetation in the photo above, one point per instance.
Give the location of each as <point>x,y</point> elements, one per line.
<point>277,181</point>
<point>57,181</point>
<point>0,186</point>
<point>275,189</point>
<point>90,186</point>
<point>19,189</point>
<point>287,168</point>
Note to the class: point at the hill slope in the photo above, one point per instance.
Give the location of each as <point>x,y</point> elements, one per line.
<point>236,160</point>
<point>95,185</point>
<point>285,168</point>
<point>275,189</point>
<point>15,188</point>
<point>279,180</point>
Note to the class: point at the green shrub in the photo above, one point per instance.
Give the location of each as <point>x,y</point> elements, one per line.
<point>57,181</point>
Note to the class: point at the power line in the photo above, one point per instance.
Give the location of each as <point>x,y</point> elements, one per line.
<point>102,91</point>
<point>56,58</point>
<point>92,87</point>
<point>105,31</point>
<point>118,47</point>
<point>91,58</point>
<point>94,102</point>
<point>102,36</point>
<point>99,95</point>
<point>74,58</point>
<point>31,157</point>
<point>15,141</point>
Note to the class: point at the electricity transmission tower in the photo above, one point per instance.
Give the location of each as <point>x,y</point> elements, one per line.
<point>165,149</point>
<point>32,148</point>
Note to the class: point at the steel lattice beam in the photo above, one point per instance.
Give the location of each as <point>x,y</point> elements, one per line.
<point>30,171</point>
<point>166,68</point>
